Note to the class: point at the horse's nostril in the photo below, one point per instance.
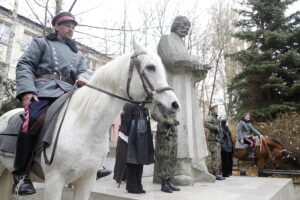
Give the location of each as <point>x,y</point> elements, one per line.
<point>175,105</point>
<point>285,153</point>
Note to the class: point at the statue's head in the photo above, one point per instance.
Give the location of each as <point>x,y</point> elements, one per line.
<point>181,26</point>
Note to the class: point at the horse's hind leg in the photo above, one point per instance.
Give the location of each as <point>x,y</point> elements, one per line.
<point>54,184</point>
<point>5,184</point>
<point>83,187</point>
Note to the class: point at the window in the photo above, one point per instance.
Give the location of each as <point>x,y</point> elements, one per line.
<point>4,33</point>
<point>91,64</point>
<point>26,40</point>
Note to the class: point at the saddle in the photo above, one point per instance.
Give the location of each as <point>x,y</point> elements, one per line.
<point>8,137</point>
<point>239,145</point>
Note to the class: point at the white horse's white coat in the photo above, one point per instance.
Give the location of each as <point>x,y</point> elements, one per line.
<point>90,113</point>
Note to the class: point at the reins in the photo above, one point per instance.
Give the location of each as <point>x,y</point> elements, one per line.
<point>263,140</point>
<point>116,96</point>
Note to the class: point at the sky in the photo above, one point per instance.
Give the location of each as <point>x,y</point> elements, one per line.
<point>110,14</point>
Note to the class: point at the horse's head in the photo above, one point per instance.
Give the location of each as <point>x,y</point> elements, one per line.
<point>279,155</point>
<point>147,81</point>
<point>278,151</point>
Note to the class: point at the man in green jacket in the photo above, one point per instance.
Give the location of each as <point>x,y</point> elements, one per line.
<point>214,140</point>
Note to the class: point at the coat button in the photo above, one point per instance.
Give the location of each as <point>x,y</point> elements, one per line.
<point>55,67</point>
<point>54,73</point>
<point>56,62</point>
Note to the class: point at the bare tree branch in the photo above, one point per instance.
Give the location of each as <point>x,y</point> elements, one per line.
<point>73,4</point>
<point>33,12</point>
<point>58,7</point>
<point>89,9</point>
<point>45,21</point>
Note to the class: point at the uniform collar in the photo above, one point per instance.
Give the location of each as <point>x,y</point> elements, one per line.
<point>70,43</point>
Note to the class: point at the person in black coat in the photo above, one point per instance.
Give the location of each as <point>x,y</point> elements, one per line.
<point>120,170</point>
<point>226,150</point>
<point>135,128</point>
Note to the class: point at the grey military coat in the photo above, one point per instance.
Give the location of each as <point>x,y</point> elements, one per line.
<point>246,130</point>
<point>42,58</point>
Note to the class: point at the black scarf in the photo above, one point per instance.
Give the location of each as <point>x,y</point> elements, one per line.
<point>70,43</point>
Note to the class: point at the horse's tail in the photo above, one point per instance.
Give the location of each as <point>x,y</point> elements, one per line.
<point>6,185</point>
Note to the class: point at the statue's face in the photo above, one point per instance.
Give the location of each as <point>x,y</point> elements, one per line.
<point>183,28</point>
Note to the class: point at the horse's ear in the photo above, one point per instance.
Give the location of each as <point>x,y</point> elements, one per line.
<point>137,48</point>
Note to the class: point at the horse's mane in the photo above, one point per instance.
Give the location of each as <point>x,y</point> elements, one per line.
<point>276,141</point>
<point>110,75</point>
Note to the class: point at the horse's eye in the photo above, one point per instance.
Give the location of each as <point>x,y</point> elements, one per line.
<point>150,68</point>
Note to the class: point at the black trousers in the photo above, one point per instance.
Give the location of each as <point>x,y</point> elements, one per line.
<point>226,159</point>
<point>34,110</point>
<point>134,177</point>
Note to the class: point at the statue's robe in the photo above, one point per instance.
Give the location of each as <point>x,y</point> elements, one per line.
<point>182,76</point>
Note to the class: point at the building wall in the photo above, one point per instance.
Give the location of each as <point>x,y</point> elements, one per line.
<point>30,29</point>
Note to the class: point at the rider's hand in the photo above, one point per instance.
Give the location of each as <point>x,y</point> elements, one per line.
<point>27,97</point>
<point>242,141</point>
<point>81,81</point>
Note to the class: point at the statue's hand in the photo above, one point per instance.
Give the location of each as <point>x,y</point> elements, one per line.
<point>200,74</point>
<point>183,64</point>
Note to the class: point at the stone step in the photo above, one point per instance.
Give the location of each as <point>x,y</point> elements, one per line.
<point>233,188</point>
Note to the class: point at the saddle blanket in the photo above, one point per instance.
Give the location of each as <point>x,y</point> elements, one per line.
<point>239,145</point>
<point>8,139</point>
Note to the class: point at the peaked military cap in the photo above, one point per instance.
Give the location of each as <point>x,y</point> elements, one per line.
<point>63,17</point>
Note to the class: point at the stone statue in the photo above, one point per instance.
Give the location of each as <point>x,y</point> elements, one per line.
<point>183,72</point>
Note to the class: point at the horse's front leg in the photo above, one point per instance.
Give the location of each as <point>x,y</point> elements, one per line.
<point>260,165</point>
<point>83,187</point>
<point>54,184</point>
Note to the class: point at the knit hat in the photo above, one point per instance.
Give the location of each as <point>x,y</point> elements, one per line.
<point>63,17</point>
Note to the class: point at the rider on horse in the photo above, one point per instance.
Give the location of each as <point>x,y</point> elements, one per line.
<point>48,69</point>
<point>246,133</point>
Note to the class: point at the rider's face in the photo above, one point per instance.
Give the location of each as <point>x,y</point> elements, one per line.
<point>247,117</point>
<point>65,30</point>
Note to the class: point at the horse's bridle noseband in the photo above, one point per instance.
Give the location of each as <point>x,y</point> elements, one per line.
<point>150,90</point>
<point>148,87</point>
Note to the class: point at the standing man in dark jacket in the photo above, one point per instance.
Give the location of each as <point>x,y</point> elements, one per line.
<point>226,150</point>
<point>214,140</point>
<point>48,69</point>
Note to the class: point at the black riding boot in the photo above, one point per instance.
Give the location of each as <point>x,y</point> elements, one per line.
<point>251,155</point>
<point>25,144</point>
<point>172,186</point>
<point>165,186</point>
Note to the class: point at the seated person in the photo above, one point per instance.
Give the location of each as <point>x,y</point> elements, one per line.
<point>246,134</point>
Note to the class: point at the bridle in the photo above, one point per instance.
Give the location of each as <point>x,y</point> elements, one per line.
<point>147,85</point>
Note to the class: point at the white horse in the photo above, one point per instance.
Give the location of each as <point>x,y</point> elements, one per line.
<point>89,114</point>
